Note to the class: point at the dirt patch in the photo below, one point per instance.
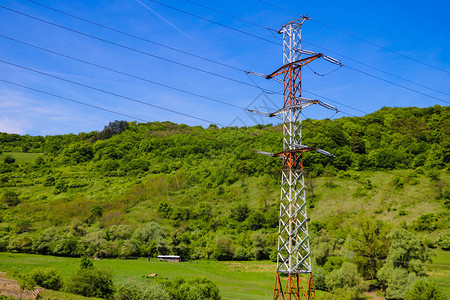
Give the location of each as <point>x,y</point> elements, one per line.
<point>373,295</point>
<point>10,287</point>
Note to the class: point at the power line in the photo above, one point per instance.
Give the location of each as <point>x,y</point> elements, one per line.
<point>120,72</point>
<point>354,60</point>
<point>230,15</point>
<point>375,68</point>
<point>109,93</point>
<point>399,85</point>
<point>165,85</point>
<point>135,36</point>
<point>215,74</point>
<point>214,22</point>
<point>72,100</point>
<point>146,53</point>
<point>129,48</point>
<point>359,38</point>
<point>379,78</point>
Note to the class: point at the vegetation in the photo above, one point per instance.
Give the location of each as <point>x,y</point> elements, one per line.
<point>135,190</point>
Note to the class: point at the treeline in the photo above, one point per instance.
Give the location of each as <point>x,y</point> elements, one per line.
<point>203,193</point>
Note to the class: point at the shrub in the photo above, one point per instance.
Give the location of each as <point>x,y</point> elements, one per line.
<point>346,276</point>
<point>10,198</point>
<point>424,289</point>
<point>444,242</point>
<point>195,289</point>
<point>9,159</point>
<point>89,281</point>
<point>48,278</point>
<point>134,291</point>
<point>426,222</point>
<point>319,278</point>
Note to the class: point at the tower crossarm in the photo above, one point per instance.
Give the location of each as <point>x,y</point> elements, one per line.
<point>294,65</point>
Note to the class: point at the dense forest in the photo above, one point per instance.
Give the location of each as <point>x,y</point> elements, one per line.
<point>144,189</point>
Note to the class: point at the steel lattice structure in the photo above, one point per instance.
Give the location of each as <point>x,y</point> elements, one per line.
<point>293,253</point>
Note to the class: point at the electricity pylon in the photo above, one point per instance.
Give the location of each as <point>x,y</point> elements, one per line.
<point>294,254</point>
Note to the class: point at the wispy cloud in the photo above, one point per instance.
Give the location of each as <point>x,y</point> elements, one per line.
<point>23,114</point>
<point>164,19</point>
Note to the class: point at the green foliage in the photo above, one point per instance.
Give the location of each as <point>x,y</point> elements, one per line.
<point>407,252</point>
<point>369,241</point>
<point>10,198</point>
<point>194,289</point>
<point>135,291</point>
<point>89,281</point>
<point>9,159</point>
<point>345,277</point>
<point>395,280</point>
<point>426,290</point>
<point>86,263</point>
<point>426,222</point>
<point>48,278</point>
<point>239,212</point>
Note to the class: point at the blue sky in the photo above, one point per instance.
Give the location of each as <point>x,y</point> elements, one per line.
<point>410,28</point>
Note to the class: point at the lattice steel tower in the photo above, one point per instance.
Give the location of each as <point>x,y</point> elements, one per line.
<point>294,254</point>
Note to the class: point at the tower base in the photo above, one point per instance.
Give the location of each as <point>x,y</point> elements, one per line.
<point>294,288</point>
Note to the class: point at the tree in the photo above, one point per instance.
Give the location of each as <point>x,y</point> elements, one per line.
<point>345,277</point>
<point>369,242</point>
<point>394,280</point>
<point>407,252</point>
<point>425,290</point>
<point>113,128</point>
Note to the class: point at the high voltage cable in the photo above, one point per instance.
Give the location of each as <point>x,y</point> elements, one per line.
<point>129,48</point>
<point>359,38</point>
<point>157,83</point>
<point>399,85</point>
<point>346,57</point>
<point>217,23</point>
<point>256,24</point>
<point>134,36</point>
<point>266,90</point>
<point>110,93</point>
<point>72,100</point>
<point>229,15</point>
<point>379,78</point>
<point>120,72</point>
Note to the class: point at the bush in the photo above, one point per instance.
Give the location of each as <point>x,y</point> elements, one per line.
<point>9,159</point>
<point>346,276</point>
<point>91,282</point>
<point>10,198</point>
<point>195,289</point>
<point>134,291</point>
<point>48,278</point>
<point>424,289</point>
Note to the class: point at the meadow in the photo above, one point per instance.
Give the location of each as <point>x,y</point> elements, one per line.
<point>236,279</point>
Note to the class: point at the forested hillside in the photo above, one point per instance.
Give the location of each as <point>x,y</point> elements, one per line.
<point>162,188</point>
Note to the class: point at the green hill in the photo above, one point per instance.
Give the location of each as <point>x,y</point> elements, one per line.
<point>161,188</point>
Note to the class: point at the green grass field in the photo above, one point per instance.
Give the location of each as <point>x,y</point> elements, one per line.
<point>20,156</point>
<point>236,280</point>
<point>439,270</point>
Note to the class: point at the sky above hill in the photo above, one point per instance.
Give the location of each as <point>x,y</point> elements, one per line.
<point>60,74</point>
